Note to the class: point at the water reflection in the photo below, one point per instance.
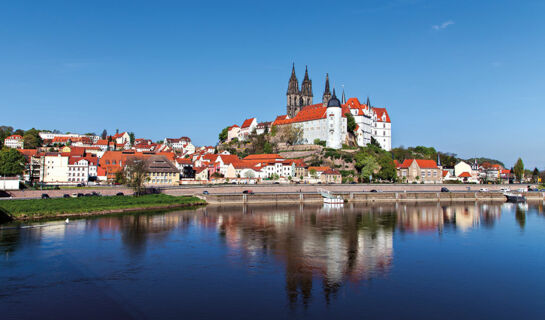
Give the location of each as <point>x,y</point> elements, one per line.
<point>320,248</point>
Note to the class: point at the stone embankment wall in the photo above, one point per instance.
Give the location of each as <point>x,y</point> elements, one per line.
<point>363,197</point>
<point>110,191</point>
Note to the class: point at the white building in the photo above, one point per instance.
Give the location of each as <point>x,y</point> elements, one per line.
<point>233,132</point>
<point>329,124</point>
<point>54,169</point>
<point>247,127</point>
<point>14,141</point>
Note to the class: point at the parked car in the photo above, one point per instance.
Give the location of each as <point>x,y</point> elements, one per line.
<point>373,190</point>
<point>248,192</point>
<point>88,195</point>
<point>505,189</point>
<point>4,194</point>
<point>445,189</point>
<point>483,190</point>
<point>74,195</point>
<point>45,196</point>
<point>66,195</point>
<point>353,182</point>
<point>95,194</point>
<point>205,192</point>
<point>119,194</point>
<point>80,195</point>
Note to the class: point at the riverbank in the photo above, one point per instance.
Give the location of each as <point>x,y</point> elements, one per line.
<point>368,197</point>
<point>34,209</point>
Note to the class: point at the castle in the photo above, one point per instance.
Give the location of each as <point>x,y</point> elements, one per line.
<point>325,121</point>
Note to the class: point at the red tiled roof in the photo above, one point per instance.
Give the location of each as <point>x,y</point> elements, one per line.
<point>183,161</point>
<point>247,123</point>
<point>15,136</point>
<point>233,126</point>
<point>465,174</point>
<point>445,172</point>
<point>265,156</point>
<point>423,164</point>
<point>229,158</point>
<point>331,171</point>
<point>380,112</point>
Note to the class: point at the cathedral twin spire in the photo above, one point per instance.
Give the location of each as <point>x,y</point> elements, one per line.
<point>297,99</point>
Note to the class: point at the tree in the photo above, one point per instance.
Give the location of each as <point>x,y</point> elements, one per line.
<point>274,131</point>
<point>535,175</point>
<point>267,147</point>
<point>366,165</point>
<point>5,132</point>
<point>12,162</point>
<point>224,134</point>
<point>32,139</point>
<point>374,142</point>
<point>292,134</point>
<point>312,173</point>
<point>104,134</point>
<point>518,170</point>
<point>350,122</point>
<point>387,168</point>
<point>136,174</point>
<point>132,138</point>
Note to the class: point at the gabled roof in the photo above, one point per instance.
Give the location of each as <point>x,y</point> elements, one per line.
<point>232,127</point>
<point>422,163</point>
<point>183,161</point>
<point>15,137</point>
<point>380,112</point>
<point>247,123</point>
<point>229,158</point>
<point>331,171</point>
<point>465,174</point>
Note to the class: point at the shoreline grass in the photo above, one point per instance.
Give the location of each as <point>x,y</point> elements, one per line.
<point>45,208</point>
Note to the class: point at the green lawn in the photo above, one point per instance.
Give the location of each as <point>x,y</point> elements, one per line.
<point>51,207</point>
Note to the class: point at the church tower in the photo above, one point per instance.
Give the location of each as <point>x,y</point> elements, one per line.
<point>306,90</point>
<point>293,95</point>
<point>327,94</point>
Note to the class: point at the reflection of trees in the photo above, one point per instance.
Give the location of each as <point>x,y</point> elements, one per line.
<point>520,216</point>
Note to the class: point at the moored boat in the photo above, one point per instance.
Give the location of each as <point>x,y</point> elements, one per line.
<point>330,198</point>
<point>515,198</point>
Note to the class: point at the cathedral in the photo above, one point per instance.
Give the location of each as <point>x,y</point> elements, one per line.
<point>319,121</point>
<point>325,121</point>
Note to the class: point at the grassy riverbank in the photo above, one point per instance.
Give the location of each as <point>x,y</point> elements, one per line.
<point>42,208</point>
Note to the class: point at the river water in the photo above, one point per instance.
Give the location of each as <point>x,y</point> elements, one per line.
<point>467,261</point>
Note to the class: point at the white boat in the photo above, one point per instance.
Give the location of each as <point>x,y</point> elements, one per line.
<point>330,198</point>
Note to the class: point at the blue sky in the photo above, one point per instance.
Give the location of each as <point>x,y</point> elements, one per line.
<point>463,76</point>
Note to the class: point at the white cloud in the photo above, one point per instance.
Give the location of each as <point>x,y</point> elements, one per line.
<point>442,25</point>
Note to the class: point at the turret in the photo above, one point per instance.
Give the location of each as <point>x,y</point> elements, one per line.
<point>334,123</point>
<point>327,94</point>
<point>293,95</point>
<point>306,90</point>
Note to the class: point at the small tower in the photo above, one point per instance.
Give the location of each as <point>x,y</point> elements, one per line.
<point>343,99</point>
<point>327,94</point>
<point>306,90</point>
<point>293,95</point>
<point>438,160</point>
<point>334,123</point>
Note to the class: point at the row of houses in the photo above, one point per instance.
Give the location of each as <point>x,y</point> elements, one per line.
<point>429,171</point>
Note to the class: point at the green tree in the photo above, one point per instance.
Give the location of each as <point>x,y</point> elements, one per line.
<point>267,147</point>
<point>32,139</point>
<point>132,138</point>
<point>518,170</point>
<point>350,122</point>
<point>12,162</point>
<point>274,131</point>
<point>5,132</point>
<point>223,134</point>
<point>535,175</point>
<point>374,142</point>
<point>366,165</point>
<point>104,134</point>
<point>387,168</point>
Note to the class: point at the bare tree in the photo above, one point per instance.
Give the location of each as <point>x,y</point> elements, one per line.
<point>136,174</point>
<point>291,134</point>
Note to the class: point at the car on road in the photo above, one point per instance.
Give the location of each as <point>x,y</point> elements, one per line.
<point>119,194</point>
<point>74,195</point>
<point>205,192</point>
<point>505,189</point>
<point>95,194</point>
<point>80,195</point>
<point>445,189</point>
<point>66,195</point>
<point>247,192</point>
<point>483,190</point>
<point>4,194</point>
<point>45,196</point>
<point>373,190</point>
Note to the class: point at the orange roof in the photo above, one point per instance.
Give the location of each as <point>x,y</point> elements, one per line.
<point>233,126</point>
<point>247,123</point>
<point>380,112</point>
<point>183,161</point>
<point>445,172</point>
<point>465,174</point>
<point>423,164</point>
<point>229,158</point>
<point>331,171</point>
<point>265,156</point>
